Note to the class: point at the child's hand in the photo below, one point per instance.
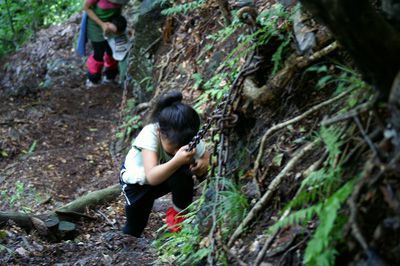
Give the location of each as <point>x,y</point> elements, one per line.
<point>199,167</point>
<point>183,156</point>
<point>108,28</point>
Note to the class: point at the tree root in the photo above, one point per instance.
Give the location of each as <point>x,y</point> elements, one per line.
<point>288,122</point>
<point>293,65</point>
<point>350,114</point>
<point>273,186</point>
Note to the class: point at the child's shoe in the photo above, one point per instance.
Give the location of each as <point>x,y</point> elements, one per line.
<point>174,219</point>
<point>108,81</point>
<point>90,84</point>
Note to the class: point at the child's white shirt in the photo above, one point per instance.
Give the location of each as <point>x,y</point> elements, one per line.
<point>148,139</point>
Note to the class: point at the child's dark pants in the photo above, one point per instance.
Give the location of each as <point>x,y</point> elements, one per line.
<point>140,198</point>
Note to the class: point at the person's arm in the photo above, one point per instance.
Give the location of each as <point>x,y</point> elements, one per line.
<point>158,173</point>
<point>200,166</point>
<point>105,26</point>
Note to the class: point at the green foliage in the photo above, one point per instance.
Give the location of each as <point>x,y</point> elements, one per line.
<point>224,33</point>
<point>198,79</point>
<point>130,123</point>
<point>19,20</point>
<point>180,8</point>
<point>342,77</point>
<point>273,24</point>
<point>320,249</point>
<point>32,148</point>
<point>321,196</point>
<point>185,247</point>
<point>19,191</point>
<point>3,153</point>
<point>182,247</point>
<point>231,207</point>
<point>21,194</point>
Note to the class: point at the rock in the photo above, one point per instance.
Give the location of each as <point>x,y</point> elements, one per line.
<point>22,252</point>
<point>304,36</point>
<point>30,67</point>
<point>147,21</point>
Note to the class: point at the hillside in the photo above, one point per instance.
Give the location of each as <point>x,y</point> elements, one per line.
<point>300,116</point>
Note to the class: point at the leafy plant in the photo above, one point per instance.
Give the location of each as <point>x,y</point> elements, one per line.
<point>180,8</point>
<point>188,247</point>
<point>21,193</point>
<point>19,20</point>
<point>182,247</point>
<point>343,77</point>
<point>232,207</point>
<point>130,123</point>
<point>272,23</point>
<point>321,196</point>
<point>275,23</point>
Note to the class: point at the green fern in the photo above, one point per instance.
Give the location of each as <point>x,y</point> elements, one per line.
<point>231,208</point>
<point>321,196</point>
<point>343,77</point>
<point>184,247</point>
<point>279,55</point>
<point>320,249</point>
<point>299,217</point>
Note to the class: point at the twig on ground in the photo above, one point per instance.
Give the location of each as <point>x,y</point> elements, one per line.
<point>106,218</point>
<point>142,106</point>
<point>350,114</point>
<point>366,137</point>
<point>13,122</point>
<point>288,122</point>
<point>74,214</point>
<point>355,230</point>
<point>264,249</point>
<point>230,254</point>
<point>151,46</point>
<point>369,167</point>
<point>291,249</point>
<point>273,186</point>
<point>160,77</point>
<point>305,61</point>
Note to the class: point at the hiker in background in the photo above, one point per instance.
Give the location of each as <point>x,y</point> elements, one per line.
<point>100,14</point>
<point>158,163</point>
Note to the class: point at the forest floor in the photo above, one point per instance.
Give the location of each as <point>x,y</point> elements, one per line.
<point>57,143</point>
<point>55,148</point>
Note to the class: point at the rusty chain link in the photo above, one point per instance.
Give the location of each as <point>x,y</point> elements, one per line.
<point>225,119</point>
<point>224,115</point>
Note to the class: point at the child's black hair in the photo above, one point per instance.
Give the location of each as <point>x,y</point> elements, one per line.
<point>178,121</point>
<point>120,23</point>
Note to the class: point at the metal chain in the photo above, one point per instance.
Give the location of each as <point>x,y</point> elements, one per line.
<point>223,115</point>
<point>225,119</point>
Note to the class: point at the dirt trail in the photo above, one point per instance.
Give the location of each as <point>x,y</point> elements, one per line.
<point>55,147</point>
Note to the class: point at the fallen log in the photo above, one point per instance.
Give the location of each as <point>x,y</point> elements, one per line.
<point>56,224</point>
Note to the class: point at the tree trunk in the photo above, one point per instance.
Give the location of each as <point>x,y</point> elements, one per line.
<point>370,40</point>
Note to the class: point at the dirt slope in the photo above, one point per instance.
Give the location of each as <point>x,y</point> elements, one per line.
<point>55,147</point>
